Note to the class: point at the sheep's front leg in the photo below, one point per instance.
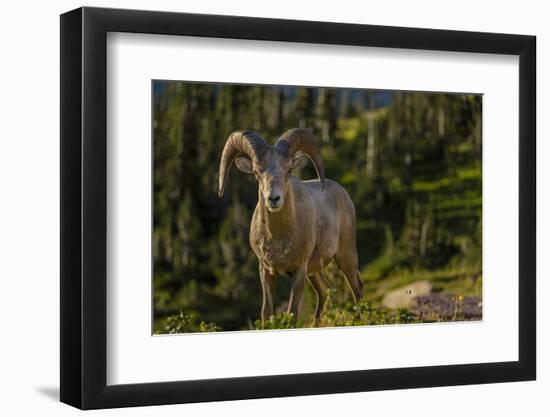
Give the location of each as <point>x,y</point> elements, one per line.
<point>298,279</point>
<point>268,284</point>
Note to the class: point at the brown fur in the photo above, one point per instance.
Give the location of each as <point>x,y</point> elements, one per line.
<point>312,228</point>
<point>298,227</point>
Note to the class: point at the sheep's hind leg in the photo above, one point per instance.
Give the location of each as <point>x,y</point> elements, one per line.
<point>320,289</point>
<point>348,264</point>
<point>268,285</point>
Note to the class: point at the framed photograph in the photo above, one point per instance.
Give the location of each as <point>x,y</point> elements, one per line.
<point>257,208</point>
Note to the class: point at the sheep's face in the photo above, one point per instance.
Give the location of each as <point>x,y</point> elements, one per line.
<point>273,174</point>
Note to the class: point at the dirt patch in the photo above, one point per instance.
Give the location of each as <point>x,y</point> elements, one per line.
<point>443,307</point>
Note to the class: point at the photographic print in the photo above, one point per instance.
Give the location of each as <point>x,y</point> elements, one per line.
<point>281,207</point>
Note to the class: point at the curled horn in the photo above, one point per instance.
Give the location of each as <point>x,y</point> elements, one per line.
<point>243,142</point>
<point>302,140</point>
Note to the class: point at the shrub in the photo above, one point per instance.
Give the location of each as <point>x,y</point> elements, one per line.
<point>361,314</point>
<point>277,321</point>
<point>186,323</point>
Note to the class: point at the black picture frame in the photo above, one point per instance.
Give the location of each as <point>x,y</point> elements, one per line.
<point>84,207</point>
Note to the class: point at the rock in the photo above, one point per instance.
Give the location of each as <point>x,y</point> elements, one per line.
<point>404,297</point>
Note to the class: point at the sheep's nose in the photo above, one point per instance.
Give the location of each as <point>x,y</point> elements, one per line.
<point>274,199</point>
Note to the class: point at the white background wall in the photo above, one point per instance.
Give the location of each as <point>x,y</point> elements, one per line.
<point>29,212</point>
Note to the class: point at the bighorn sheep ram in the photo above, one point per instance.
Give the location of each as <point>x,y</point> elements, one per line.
<point>298,227</point>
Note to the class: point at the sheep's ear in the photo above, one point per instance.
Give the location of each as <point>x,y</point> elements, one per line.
<point>300,161</point>
<point>244,165</point>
